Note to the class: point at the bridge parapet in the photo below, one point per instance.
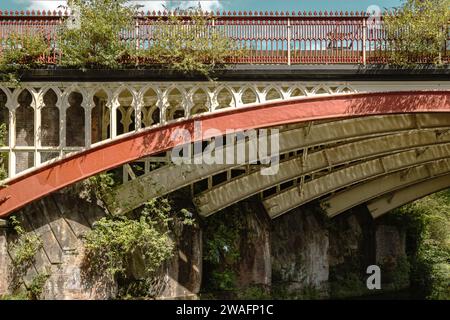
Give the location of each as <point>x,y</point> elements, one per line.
<point>264,37</point>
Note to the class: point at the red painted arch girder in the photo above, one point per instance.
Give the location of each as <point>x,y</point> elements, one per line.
<point>52,177</point>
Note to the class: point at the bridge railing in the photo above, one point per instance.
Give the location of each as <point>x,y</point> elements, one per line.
<point>265,38</point>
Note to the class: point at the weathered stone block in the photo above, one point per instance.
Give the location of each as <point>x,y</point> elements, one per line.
<point>255,266</point>
<point>4,262</point>
<point>390,244</point>
<point>300,252</point>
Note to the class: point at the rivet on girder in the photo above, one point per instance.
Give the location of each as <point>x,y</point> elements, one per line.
<point>420,151</point>
<point>308,128</point>
<point>382,165</point>
<point>440,133</point>
<point>417,122</point>
<point>405,173</point>
<point>327,160</point>
<point>428,169</point>
<point>4,199</point>
<point>129,171</point>
<point>390,196</point>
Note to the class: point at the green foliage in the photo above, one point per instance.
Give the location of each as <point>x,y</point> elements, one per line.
<point>395,274</point>
<point>94,42</point>
<point>187,217</point>
<point>114,240</point>
<point>348,285</point>
<point>281,291</point>
<point>22,51</point>
<point>94,38</point>
<point>254,292</point>
<point>223,280</point>
<point>428,230</point>
<point>36,287</point>
<point>98,186</point>
<point>221,250</point>
<point>32,291</point>
<point>440,279</point>
<point>347,279</point>
<point>23,252</point>
<point>17,296</point>
<point>132,248</point>
<point>222,234</point>
<point>417,29</point>
<point>197,48</point>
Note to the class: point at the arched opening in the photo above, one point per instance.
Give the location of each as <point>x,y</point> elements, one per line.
<point>297,92</point>
<point>178,114</point>
<point>346,90</point>
<point>4,132</point>
<point>224,99</point>
<point>156,116</point>
<point>125,113</point>
<point>75,124</point>
<point>50,120</point>
<point>24,120</point>
<point>200,102</point>
<point>100,117</point>
<point>175,108</point>
<point>273,94</point>
<point>24,130</point>
<point>150,111</point>
<point>4,119</point>
<point>321,90</point>
<point>248,96</point>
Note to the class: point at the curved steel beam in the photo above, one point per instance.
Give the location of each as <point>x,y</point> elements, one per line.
<point>386,203</point>
<point>38,183</point>
<point>372,189</point>
<point>169,178</point>
<point>254,182</point>
<point>296,196</point>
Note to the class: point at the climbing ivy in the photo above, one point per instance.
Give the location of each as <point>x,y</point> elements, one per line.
<point>113,240</point>
<point>36,287</point>
<point>116,244</point>
<point>23,252</point>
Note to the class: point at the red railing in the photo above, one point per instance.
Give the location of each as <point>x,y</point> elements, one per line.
<point>264,37</point>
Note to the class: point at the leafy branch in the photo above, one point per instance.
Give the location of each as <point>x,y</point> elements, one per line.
<point>417,32</point>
